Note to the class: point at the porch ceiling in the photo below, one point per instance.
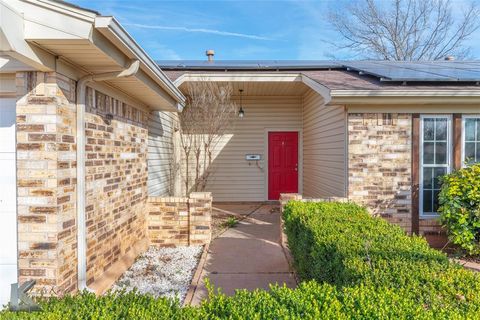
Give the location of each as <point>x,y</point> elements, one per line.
<point>255,88</point>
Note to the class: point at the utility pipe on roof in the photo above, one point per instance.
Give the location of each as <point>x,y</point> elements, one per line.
<point>81,219</point>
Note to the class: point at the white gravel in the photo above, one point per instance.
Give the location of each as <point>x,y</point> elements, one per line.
<point>162,272</point>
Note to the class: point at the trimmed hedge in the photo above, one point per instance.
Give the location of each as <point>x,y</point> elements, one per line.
<point>355,267</point>
<point>311,300</point>
<point>341,244</point>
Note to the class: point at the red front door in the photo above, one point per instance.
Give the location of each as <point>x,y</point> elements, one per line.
<point>282,163</point>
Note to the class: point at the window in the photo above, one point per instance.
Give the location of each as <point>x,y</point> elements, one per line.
<point>435,154</point>
<point>471,138</point>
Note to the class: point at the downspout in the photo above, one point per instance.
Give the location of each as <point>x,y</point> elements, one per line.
<point>81,218</point>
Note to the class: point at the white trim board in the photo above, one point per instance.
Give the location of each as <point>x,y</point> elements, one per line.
<point>466,116</point>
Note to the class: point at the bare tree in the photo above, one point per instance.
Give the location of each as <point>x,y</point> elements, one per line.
<point>406,29</point>
<point>208,114</point>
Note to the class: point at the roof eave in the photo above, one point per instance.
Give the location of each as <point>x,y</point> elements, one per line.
<point>112,30</point>
<point>412,96</point>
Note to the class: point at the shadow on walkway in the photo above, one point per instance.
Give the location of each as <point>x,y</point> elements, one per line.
<point>247,256</point>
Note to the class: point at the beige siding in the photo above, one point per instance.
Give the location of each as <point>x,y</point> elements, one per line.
<point>234,179</point>
<point>7,84</point>
<point>323,148</point>
<point>160,153</point>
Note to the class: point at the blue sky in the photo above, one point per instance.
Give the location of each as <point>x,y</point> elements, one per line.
<point>174,30</point>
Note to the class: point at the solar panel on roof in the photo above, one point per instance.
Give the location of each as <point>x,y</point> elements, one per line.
<point>445,71</point>
<point>247,64</point>
<point>461,73</point>
<point>449,65</point>
<point>394,72</point>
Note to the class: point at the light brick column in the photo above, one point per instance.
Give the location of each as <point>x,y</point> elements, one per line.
<point>200,218</point>
<point>285,197</point>
<point>46,180</point>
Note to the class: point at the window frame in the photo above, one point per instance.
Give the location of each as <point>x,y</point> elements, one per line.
<point>421,166</point>
<point>464,117</point>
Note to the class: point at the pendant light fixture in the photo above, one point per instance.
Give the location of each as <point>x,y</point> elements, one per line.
<point>241,113</point>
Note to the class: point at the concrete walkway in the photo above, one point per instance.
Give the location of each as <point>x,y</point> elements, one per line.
<point>247,256</point>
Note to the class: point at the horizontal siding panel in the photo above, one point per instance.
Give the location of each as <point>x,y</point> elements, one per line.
<point>160,152</point>
<point>232,178</point>
<point>323,148</point>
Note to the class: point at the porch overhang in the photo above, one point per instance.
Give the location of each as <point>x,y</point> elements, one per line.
<point>252,77</point>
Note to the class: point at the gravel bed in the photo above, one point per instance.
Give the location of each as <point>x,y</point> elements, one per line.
<point>162,272</point>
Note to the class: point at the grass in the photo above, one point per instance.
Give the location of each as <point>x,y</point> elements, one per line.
<point>230,223</point>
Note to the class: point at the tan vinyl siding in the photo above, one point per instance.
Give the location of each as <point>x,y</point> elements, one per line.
<point>160,152</point>
<point>234,179</point>
<point>7,84</point>
<point>323,148</point>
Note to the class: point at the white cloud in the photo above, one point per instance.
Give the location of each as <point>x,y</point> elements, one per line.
<point>199,30</point>
<point>161,52</point>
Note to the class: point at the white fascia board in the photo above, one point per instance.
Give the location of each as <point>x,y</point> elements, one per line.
<point>60,7</point>
<point>406,93</point>
<point>238,77</point>
<point>318,88</point>
<point>13,41</point>
<point>113,31</point>
<point>376,97</point>
<point>45,19</point>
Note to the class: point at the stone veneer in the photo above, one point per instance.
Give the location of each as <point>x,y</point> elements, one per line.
<point>379,164</point>
<point>46,180</point>
<point>180,221</point>
<point>116,180</point>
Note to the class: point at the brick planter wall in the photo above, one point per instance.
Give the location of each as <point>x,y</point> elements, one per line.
<point>180,221</point>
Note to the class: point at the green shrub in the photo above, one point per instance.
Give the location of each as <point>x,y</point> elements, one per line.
<point>355,267</point>
<point>310,300</point>
<point>341,244</point>
<point>108,307</point>
<point>460,207</point>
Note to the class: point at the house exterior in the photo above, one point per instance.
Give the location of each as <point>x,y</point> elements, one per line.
<point>89,128</point>
<point>76,97</point>
<point>377,133</point>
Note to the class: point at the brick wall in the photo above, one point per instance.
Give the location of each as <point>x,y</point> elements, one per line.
<point>379,164</point>
<point>46,176</point>
<point>180,221</point>
<point>116,183</point>
<point>116,180</point>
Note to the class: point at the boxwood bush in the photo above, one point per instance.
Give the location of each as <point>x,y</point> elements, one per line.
<point>460,207</point>
<point>353,266</point>
<point>341,244</point>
